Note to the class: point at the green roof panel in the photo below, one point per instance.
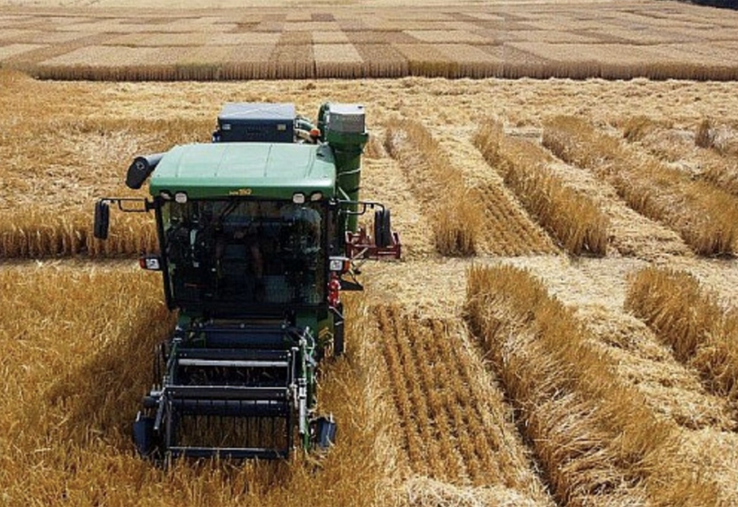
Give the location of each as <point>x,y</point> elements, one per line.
<point>268,170</point>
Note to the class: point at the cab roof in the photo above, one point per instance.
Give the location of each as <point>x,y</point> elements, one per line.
<point>267,170</point>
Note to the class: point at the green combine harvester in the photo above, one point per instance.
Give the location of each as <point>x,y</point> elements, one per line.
<point>258,234</point>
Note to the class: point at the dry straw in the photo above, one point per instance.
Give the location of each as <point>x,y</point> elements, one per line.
<point>690,320</point>
<point>454,208</point>
<point>77,355</point>
<point>454,423</point>
<point>570,216</point>
<point>706,217</point>
<point>593,434</point>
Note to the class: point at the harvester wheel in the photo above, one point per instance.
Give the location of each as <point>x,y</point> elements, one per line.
<point>387,226</point>
<point>338,334</point>
<point>382,228</point>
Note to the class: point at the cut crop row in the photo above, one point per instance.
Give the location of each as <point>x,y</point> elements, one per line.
<point>570,216</point>
<point>594,435</point>
<point>466,219</point>
<point>454,426</point>
<point>689,319</point>
<point>706,217</point>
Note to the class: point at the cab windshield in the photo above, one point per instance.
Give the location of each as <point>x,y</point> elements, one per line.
<point>238,252</point>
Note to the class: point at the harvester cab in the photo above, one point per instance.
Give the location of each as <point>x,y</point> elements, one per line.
<point>258,232</point>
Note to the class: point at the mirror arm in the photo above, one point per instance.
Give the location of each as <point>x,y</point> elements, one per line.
<point>363,206</point>
<point>119,201</point>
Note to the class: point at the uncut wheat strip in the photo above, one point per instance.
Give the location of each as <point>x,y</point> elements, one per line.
<point>40,37</point>
<point>385,25</point>
<point>428,61</point>
<point>570,216</point>
<point>293,56</point>
<point>381,60</point>
<point>330,38</point>
<point>645,37</point>
<point>452,207</point>
<point>103,56</point>
<point>447,36</point>
<point>507,228</point>
<point>548,36</point>
<point>337,60</point>
<point>311,26</point>
<point>159,39</point>
<point>40,233</point>
<point>377,37</point>
<point>594,435</point>
<point>614,61</point>
<point>687,317</point>
<point>706,217</point>
<point>472,61</point>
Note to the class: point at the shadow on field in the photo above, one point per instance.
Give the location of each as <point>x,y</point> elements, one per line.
<point>99,399</point>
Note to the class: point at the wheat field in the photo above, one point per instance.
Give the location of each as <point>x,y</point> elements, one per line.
<point>226,40</point>
<point>505,361</point>
<point>561,331</point>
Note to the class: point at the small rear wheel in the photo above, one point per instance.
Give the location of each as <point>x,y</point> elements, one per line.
<point>382,228</point>
<point>338,333</point>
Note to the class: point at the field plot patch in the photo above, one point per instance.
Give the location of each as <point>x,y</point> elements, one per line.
<point>17,49</point>
<point>619,41</point>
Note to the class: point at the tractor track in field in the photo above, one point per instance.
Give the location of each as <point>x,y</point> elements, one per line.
<point>455,426</point>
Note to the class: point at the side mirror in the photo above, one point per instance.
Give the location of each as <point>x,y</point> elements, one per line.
<point>382,228</point>
<point>102,219</point>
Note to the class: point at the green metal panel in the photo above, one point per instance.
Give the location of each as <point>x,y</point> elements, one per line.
<point>269,170</point>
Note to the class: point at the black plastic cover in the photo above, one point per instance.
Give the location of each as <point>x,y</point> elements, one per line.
<point>256,122</point>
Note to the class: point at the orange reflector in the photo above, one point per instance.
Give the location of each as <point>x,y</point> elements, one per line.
<point>314,132</point>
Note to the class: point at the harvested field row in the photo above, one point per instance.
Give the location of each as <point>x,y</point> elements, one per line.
<point>594,435</point>
<point>689,319</point>
<point>467,220</point>
<point>708,150</point>
<point>450,205</point>
<point>78,346</point>
<point>706,217</point>
<point>570,216</point>
<point>454,425</point>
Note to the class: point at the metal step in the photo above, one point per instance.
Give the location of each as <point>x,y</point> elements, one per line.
<point>231,408</point>
<point>229,452</point>
<point>233,358</point>
<point>227,393</point>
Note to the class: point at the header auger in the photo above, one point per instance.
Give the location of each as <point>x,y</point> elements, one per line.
<point>258,234</point>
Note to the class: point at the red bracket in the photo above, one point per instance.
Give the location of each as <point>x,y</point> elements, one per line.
<point>362,246</point>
